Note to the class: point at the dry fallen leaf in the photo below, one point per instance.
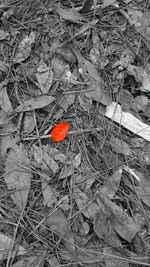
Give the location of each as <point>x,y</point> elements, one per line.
<point>35,103</point>
<point>58,223</point>
<point>119,146</point>
<point>18,174</point>
<point>67,53</point>
<point>5,246</point>
<point>29,123</point>
<point>70,14</point>
<point>88,70</point>
<point>107,3</point>
<point>43,159</point>
<point>4,35</point>
<point>67,101</point>
<point>49,193</point>
<point>111,185</point>
<point>141,102</point>
<point>69,168</point>
<point>44,76</point>
<point>24,48</point>
<point>141,75</point>
<point>95,51</point>
<point>87,207</point>
<point>5,103</point>
<point>36,260</point>
<point>104,229</point>
<point>114,258</point>
<point>97,94</point>
<point>53,262</point>
<point>122,223</point>
<point>143,188</point>
<point>86,6</point>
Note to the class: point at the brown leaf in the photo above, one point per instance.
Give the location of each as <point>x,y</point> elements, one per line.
<point>35,103</point>
<point>122,223</point>
<point>18,175</point>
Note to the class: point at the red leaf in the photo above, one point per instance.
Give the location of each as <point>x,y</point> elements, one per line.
<point>60,131</point>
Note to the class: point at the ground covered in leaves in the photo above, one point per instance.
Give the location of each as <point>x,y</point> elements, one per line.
<point>74,133</point>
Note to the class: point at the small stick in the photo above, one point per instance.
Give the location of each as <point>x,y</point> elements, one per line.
<point>80,131</point>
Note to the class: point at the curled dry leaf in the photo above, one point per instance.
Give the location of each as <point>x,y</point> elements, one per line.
<point>35,103</point>
<point>24,48</point>
<point>60,131</point>
<point>18,175</point>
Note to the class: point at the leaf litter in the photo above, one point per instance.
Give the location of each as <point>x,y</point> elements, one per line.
<point>79,197</point>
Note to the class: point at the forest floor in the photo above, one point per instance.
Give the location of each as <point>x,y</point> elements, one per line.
<point>75,134</point>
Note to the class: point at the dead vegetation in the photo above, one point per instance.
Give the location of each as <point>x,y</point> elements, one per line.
<point>74,140</point>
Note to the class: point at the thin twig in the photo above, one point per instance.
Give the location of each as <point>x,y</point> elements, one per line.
<point>80,131</point>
